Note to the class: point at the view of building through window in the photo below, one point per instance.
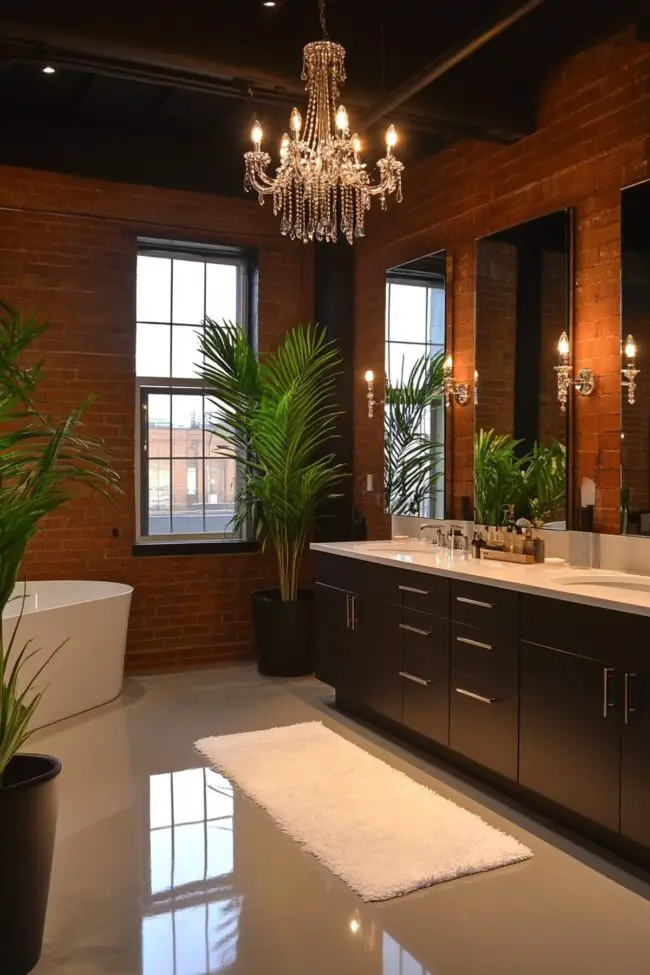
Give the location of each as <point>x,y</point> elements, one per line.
<point>188,485</point>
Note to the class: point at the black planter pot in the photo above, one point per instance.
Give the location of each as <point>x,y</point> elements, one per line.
<point>284,633</point>
<point>28,806</point>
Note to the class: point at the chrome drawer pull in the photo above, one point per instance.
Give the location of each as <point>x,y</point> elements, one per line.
<point>418,592</point>
<point>416,680</point>
<point>476,697</point>
<point>474,602</point>
<point>627,708</point>
<point>474,643</point>
<point>414,629</point>
<point>607,673</point>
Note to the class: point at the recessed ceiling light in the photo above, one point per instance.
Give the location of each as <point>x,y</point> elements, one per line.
<point>269,3</point>
<point>48,69</point>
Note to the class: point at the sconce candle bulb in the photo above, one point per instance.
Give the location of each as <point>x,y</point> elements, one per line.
<point>629,371</point>
<point>584,382</point>
<point>369,377</point>
<point>451,389</point>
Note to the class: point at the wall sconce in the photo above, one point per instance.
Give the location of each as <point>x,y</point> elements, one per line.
<point>584,381</point>
<point>476,387</point>
<point>630,372</point>
<point>370,395</point>
<point>460,391</point>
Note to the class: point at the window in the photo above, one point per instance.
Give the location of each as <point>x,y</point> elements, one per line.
<point>415,327</point>
<point>190,926</point>
<point>187,486</point>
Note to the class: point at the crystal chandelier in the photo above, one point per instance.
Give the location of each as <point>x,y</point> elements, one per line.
<point>321,183</point>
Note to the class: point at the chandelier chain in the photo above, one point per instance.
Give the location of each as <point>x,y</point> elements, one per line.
<point>323,22</point>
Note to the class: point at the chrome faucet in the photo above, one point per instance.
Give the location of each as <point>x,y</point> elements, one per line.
<point>423,529</point>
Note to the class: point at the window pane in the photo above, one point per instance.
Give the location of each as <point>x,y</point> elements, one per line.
<point>159,418</point>
<point>189,802</point>
<point>187,496</point>
<point>220,848</point>
<point>160,800</point>
<point>437,316</point>
<point>188,296</point>
<point>407,313</point>
<point>219,797</point>
<point>189,854</point>
<point>159,497</point>
<point>185,352</point>
<point>158,945</point>
<point>221,292</point>
<point>401,358</point>
<point>223,933</point>
<point>152,350</point>
<point>191,948</point>
<point>153,289</point>
<point>160,853</point>
<point>187,433</point>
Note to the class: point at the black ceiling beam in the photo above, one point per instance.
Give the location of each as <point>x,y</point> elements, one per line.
<point>229,81</point>
<point>440,66</point>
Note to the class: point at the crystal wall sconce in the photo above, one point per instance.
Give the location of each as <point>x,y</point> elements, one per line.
<point>584,381</point>
<point>370,395</point>
<point>629,371</point>
<point>452,389</point>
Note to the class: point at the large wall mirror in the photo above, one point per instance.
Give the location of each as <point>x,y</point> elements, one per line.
<point>414,413</point>
<point>523,319</point>
<point>635,343</point>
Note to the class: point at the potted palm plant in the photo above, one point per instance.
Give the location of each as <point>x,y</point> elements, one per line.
<point>40,463</point>
<point>276,416</point>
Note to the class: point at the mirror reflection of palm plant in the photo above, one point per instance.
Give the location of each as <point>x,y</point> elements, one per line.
<point>412,460</point>
<point>533,485</point>
<point>41,463</point>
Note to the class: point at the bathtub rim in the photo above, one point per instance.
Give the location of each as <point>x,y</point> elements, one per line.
<point>124,590</point>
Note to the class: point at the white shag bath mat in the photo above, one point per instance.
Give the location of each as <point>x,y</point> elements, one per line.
<point>374,827</point>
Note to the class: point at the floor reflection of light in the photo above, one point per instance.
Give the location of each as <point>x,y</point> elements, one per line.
<point>191,927</point>
<point>354,926</point>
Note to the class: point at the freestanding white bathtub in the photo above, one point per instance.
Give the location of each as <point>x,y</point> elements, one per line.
<point>92,617</point>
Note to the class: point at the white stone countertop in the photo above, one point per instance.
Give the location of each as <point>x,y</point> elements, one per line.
<point>608,589</point>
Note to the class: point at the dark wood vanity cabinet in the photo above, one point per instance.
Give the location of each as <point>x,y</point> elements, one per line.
<point>584,732</point>
<point>550,694</point>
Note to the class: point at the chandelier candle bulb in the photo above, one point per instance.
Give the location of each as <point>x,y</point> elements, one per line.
<point>342,121</point>
<point>256,134</point>
<point>391,137</point>
<point>295,121</point>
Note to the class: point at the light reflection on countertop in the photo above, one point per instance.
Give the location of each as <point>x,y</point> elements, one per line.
<point>621,591</point>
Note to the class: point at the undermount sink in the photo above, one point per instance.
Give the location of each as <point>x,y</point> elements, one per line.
<point>609,582</point>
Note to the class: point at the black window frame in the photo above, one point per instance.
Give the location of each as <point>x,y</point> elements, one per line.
<point>207,542</point>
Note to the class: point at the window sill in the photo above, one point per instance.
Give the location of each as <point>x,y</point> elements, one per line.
<point>212,546</point>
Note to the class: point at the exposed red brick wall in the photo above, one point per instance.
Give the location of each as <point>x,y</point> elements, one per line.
<point>592,139</point>
<point>68,250</point>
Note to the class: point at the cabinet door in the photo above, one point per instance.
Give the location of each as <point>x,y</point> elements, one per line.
<point>332,633</point>
<point>570,732</point>
<point>378,654</point>
<point>635,780</point>
<point>425,675</point>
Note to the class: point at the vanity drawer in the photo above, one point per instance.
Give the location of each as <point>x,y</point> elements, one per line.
<point>424,674</point>
<point>483,723</point>
<point>356,576</point>
<point>615,638</point>
<point>475,653</point>
<point>494,612</point>
<point>423,592</point>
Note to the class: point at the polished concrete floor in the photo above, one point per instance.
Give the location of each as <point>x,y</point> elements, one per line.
<point>161,868</point>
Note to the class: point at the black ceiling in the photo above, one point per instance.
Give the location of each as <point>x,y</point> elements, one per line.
<point>165,94</point>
